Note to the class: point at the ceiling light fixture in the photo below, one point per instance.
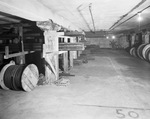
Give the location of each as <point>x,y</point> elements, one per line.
<point>122,17</point>
<point>129,18</point>
<point>139,17</point>
<point>113,37</point>
<point>139,20</point>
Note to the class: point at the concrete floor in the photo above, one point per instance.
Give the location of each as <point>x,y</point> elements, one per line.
<point>113,86</point>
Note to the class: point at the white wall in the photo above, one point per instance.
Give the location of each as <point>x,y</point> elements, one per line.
<point>101,42</point>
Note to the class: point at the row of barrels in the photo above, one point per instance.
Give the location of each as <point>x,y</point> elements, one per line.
<point>19,77</point>
<point>142,51</point>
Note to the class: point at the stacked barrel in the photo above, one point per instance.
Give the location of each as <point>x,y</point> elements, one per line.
<point>139,45</point>
<point>19,77</point>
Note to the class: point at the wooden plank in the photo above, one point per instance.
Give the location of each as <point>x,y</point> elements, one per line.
<point>50,72</point>
<point>74,53</point>
<point>32,34</point>
<point>71,46</point>
<point>74,33</point>
<point>21,58</point>
<point>65,61</point>
<point>79,53</point>
<point>70,59</point>
<point>50,53</point>
<point>29,78</point>
<point>61,52</point>
<point>27,47</point>
<point>17,54</point>
<point>66,74</point>
<point>51,62</point>
<point>39,47</point>
<point>65,57</point>
<point>6,51</point>
<point>71,54</point>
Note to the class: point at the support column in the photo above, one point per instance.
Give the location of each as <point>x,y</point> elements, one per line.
<point>71,53</point>
<point>50,53</point>
<point>65,57</point>
<point>133,39</point>
<point>21,59</point>
<point>50,50</point>
<point>74,52</point>
<point>147,35</point>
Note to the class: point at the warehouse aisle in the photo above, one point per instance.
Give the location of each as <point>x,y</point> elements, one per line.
<point>113,86</point>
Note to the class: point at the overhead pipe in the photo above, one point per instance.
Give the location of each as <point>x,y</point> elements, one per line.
<point>139,4</point>
<point>90,5</point>
<point>130,17</point>
<point>78,8</point>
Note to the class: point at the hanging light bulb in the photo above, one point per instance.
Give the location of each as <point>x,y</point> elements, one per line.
<point>139,20</point>
<point>139,17</point>
<point>113,37</point>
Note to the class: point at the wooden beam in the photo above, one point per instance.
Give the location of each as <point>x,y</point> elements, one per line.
<point>71,46</point>
<point>21,58</point>
<point>27,47</point>
<point>9,20</point>
<point>50,53</point>
<point>74,33</point>
<point>25,25</point>
<point>39,47</point>
<point>61,52</point>
<point>65,62</point>
<point>7,56</point>
<point>33,34</point>
<point>8,36</point>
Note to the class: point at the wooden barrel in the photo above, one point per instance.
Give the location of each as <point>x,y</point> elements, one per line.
<point>9,75</point>
<point>21,77</point>
<point>148,56</point>
<point>29,77</point>
<point>131,51</point>
<point>144,50</point>
<point>134,52</point>
<point>139,50</point>
<point>2,75</point>
<point>147,53</point>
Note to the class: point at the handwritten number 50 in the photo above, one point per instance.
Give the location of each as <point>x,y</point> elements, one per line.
<point>131,114</point>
